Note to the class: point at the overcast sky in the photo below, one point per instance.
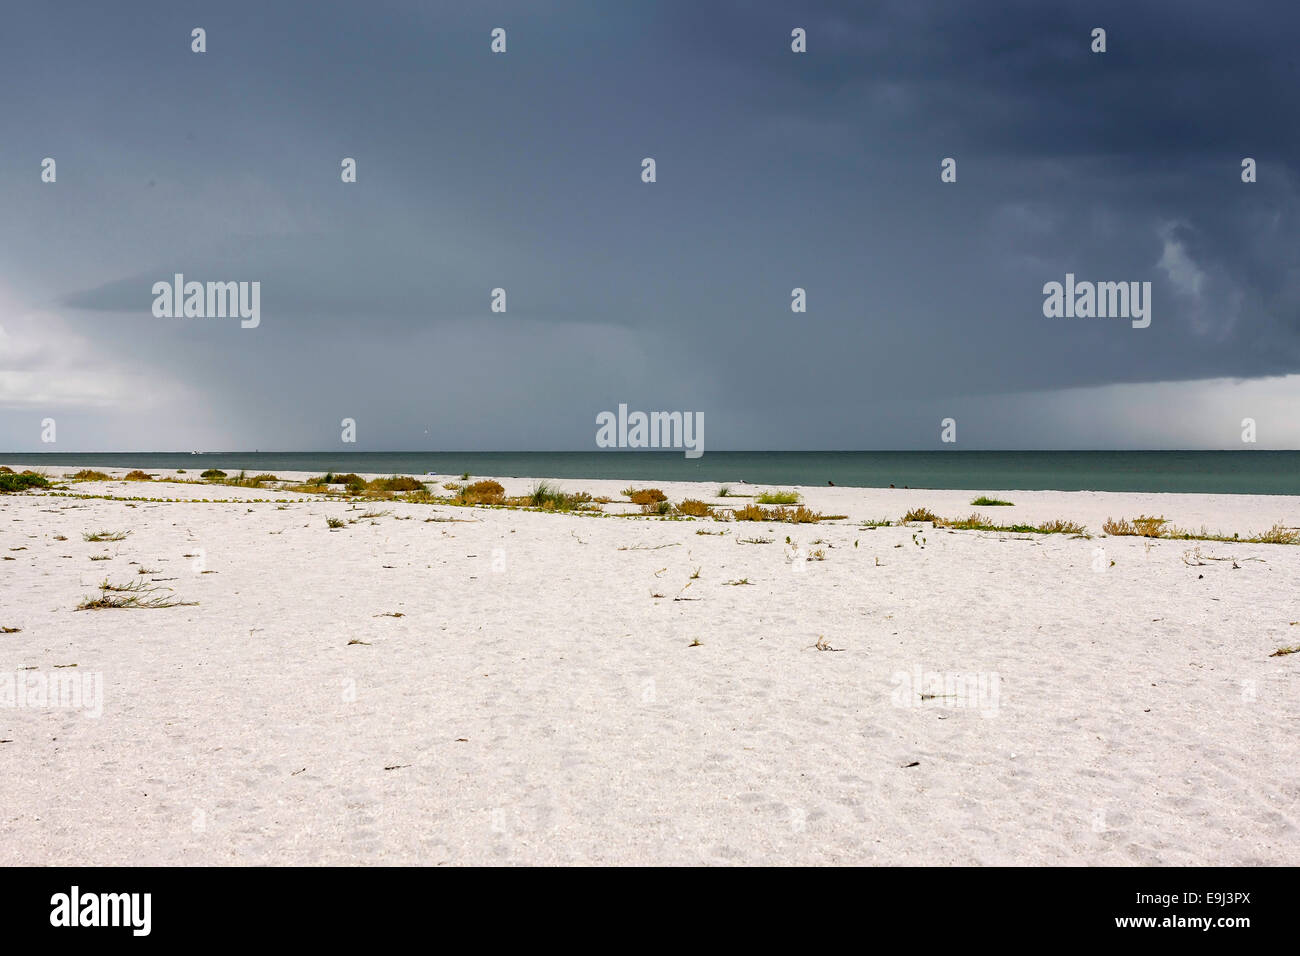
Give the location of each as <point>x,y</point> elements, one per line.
<point>522,170</point>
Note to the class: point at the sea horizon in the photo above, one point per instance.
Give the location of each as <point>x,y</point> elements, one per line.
<point>1239,472</point>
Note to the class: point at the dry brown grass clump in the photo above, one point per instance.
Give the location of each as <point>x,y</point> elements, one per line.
<point>644,496</point>
<point>1061,526</point>
<point>1149,527</point>
<point>137,475</point>
<point>799,515</point>
<point>486,492</point>
<point>87,474</point>
<point>693,507</point>
<point>6,470</point>
<point>972,522</point>
<point>1278,534</point>
<point>978,522</point>
<point>1144,525</point>
<point>393,483</point>
<point>919,514</point>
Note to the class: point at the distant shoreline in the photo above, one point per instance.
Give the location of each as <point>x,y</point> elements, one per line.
<point>1254,472</point>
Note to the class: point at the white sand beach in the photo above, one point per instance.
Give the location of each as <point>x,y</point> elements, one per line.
<point>451,685</point>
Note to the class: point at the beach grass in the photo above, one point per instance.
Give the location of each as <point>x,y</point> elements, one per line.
<point>799,515</point>
<point>104,535</point>
<point>10,482</point>
<point>134,594</point>
<point>777,498</point>
<point>1147,526</point>
<point>644,496</point>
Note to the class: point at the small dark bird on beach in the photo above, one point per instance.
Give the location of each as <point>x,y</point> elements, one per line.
<point>831,483</point>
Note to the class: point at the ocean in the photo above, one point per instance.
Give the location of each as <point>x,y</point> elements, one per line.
<point>1218,472</point>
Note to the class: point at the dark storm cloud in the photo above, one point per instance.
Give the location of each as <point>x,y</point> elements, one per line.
<point>775,170</point>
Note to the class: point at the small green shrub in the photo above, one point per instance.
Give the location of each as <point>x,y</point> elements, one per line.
<point>11,482</point>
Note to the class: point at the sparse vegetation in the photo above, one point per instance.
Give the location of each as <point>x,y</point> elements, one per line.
<point>243,480</point>
<point>104,535</point>
<point>137,475</point>
<point>644,496</point>
<point>978,522</point>
<point>1278,534</point>
<point>778,498</point>
<point>1060,526</point>
<point>549,497</point>
<point>10,482</point>
<point>335,523</point>
<point>210,474</point>
<point>1283,651</point>
<point>136,594</point>
<point>1152,527</point>
<point>693,507</point>
<point>799,515</point>
<point>393,483</point>
<point>485,492</point>
<point>1143,525</point>
<point>919,514</point>
<point>984,501</point>
<point>87,474</point>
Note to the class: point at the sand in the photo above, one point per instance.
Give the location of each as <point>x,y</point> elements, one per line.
<point>1115,701</point>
